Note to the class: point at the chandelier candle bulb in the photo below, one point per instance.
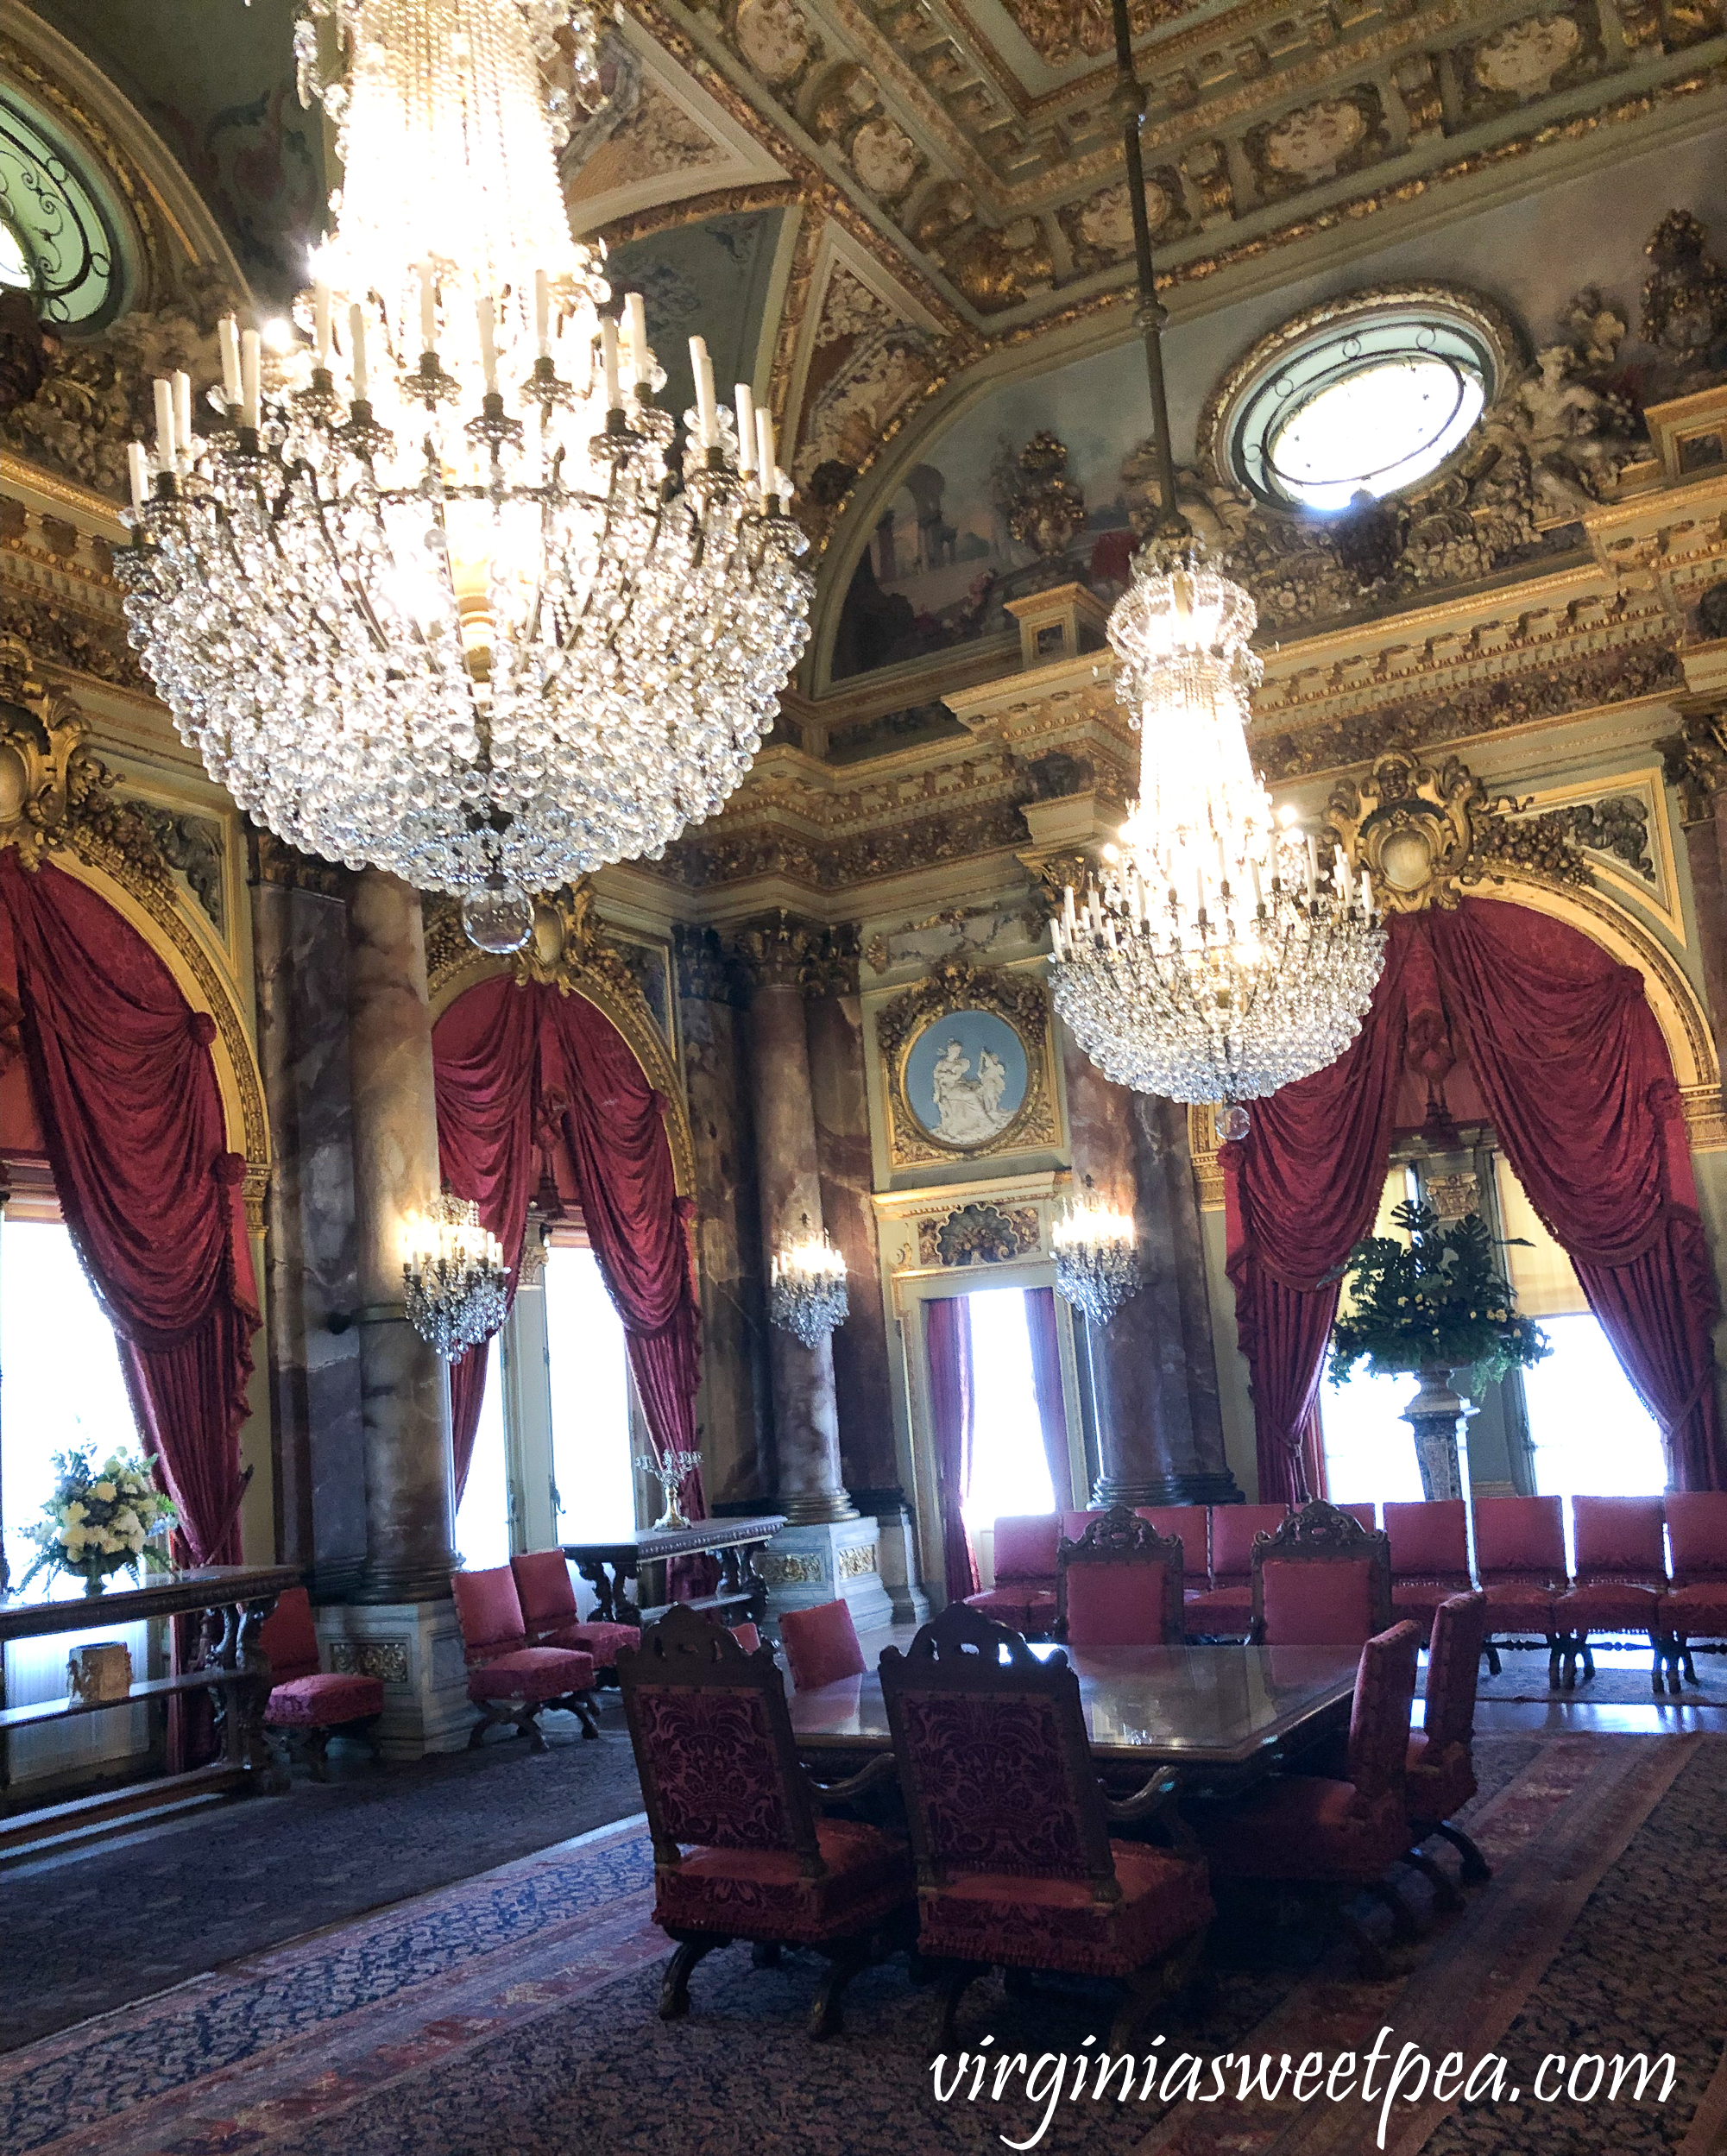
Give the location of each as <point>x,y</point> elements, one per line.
<point>1097,1254</point>
<point>428,309</point>
<point>251,372</point>
<point>635,328</point>
<point>767,455</point>
<point>608,363</point>
<point>138,467</point>
<point>228,342</point>
<point>542,315</point>
<point>707,406</point>
<point>807,1292</point>
<point>182,415</point>
<point>456,1285</point>
<point>486,316</point>
<point>165,458</point>
<point>743,405</point>
<point>320,326</point>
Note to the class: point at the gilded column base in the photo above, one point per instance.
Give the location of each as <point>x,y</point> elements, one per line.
<point>1201,1486</point>
<point>817,1508</point>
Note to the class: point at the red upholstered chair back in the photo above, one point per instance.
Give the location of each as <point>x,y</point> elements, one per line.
<point>489,1612</point>
<point>746,1635</point>
<point>1073,1524</point>
<point>1697,1532</point>
<point>1120,1584</point>
<point>1233,1528</point>
<point>1025,1546</point>
<point>1322,1579</point>
<point>1363,1515</point>
<point>1190,1525</point>
<point>713,1742</point>
<point>821,1645</point>
<point>1454,1665</point>
<point>1379,1720</point>
<point>1619,1538</point>
<point>1519,1539</point>
<point>1429,1539</point>
<point>994,1760</point>
<point>543,1588</point>
<point>290,1638</point>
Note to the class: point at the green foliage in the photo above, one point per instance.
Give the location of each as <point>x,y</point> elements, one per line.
<point>1438,1298</point>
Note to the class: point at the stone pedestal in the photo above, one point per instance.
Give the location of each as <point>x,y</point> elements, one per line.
<point>1439,1419</point>
<point>1152,1367</point>
<point>414,1649</point>
<point>900,1579</point>
<point>777,957</point>
<point>836,1561</point>
<point>405,1396</point>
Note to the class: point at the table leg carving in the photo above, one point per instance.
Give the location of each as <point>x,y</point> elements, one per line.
<point>750,1581</point>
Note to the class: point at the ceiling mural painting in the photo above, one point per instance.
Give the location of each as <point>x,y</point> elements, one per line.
<point>714,276</point>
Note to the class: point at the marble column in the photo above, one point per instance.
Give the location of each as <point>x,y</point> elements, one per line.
<point>1154,1372</point>
<point>405,1397</point>
<point>1696,764</point>
<point>737,1424</point>
<point>300,927</point>
<point>777,957</point>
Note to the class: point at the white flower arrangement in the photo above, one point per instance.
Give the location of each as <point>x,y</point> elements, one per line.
<point>100,1520</point>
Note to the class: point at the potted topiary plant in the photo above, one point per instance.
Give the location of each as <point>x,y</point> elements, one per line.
<point>1437,1306</point>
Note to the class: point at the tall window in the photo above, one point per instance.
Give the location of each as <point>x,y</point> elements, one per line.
<point>1009,1467</point>
<point>1370,1453</point>
<point>482,1519</point>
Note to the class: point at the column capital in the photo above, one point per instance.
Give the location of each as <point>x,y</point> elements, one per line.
<point>782,950</point>
<point>1694,761</point>
<point>706,973</point>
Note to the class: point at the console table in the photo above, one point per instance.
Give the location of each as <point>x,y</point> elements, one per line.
<point>608,1567</point>
<point>234,1599</point>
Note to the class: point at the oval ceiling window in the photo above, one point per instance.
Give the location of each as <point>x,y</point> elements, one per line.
<point>56,238</point>
<point>1370,399</point>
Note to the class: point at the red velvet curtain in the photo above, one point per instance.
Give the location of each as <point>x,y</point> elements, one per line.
<point>126,1095</point>
<point>530,1080</point>
<point>948,1331</point>
<point>1046,1385</point>
<point>1576,1078</point>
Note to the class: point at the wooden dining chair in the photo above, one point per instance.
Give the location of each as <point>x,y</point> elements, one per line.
<point>1011,1826</point>
<point>547,1596</point>
<point>821,1645</point>
<point>738,1850</point>
<point>1224,1610</point>
<point>1120,1584</point>
<point>1322,1579</point>
<point>1440,1770</point>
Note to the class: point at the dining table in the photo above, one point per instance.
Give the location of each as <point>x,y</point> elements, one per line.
<point>1221,1716</point>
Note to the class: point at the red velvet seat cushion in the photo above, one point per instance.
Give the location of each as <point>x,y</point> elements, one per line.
<point>1697,1612</point>
<point>1224,1610</point>
<point>1024,1607</point>
<point>1608,1605</point>
<point>1439,1779</point>
<point>1116,1605</point>
<point>1303,1827</point>
<point>532,1673</point>
<point>1418,1598</point>
<point>821,1645</point>
<point>759,1893</point>
<point>320,1701</point>
<point>591,1636</point>
<point>988,1916</point>
<point>1519,1606</point>
<point>1025,1547</point>
<point>1310,1604</point>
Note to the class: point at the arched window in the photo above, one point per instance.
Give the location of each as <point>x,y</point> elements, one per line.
<point>56,238</point>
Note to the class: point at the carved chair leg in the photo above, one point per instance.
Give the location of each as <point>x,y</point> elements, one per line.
<point>674,1989</point>
<point>1492,1653</point>
<point>1587,1653</point>
<point>765,1954</point>
<point>1370,1954</point>
<point>526,1720</point>
<point>316,1746</point>
<point>1150,1989</point>
<point>1476,1871</point>
<point>587,1706</point>
<point>1446,1895</point>
<point>1404,1927</point>
<point>1555,1660</point>
<point>848,1957</point>
<point>961,1977</point>
<point>368,1731</point>
<point>1690,1665</point>
<point>476,1735</point>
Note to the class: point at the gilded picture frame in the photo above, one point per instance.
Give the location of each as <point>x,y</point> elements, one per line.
<point>967,1059</point>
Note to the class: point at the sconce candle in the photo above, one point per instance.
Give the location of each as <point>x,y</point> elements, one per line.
<point>1097,1256</point>
<point>456,1284</point>
<point>807,1292</point>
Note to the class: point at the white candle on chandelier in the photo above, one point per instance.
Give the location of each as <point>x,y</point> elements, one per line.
<point>320,326</point>
<point>767,456</point>
<point>138,465</point>
<point>635,328</point>
<point>182,415</point>
<point>1258,888</point>
<point>227,338</point>
<point>356,351</point>
<point>428,309</point>
<point>707,406</point>
<point>164,425</point>
<point>1068,915</point>
<point>1312,866</point>
<point>251,367</point>
<point>744,405</point>
<point>1345,876</point>
<point>609,361</point>
<point>486,311</point>
<point>542,315</point>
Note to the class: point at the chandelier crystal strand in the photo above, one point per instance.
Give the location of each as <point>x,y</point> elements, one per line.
<point>1097,1254</point>
<point>807,1293</point>
<point>455,1283</point>
<point>425,593</point>
<point>1212,956</point>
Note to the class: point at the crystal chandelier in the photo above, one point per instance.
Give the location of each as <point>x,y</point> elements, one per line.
<point>455,1283</point>
<point>671,1471</point>
<point>439,588</point>
<point>807,1294</point>
<point>1097,1254</point>
<point>1212,956</point>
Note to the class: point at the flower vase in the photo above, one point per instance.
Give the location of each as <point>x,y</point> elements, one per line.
<point>1438,1416</point>
<point>95,1583</point>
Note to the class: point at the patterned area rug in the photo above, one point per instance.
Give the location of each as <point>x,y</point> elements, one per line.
<point>514,2015</point>
<point>251,1875</point>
